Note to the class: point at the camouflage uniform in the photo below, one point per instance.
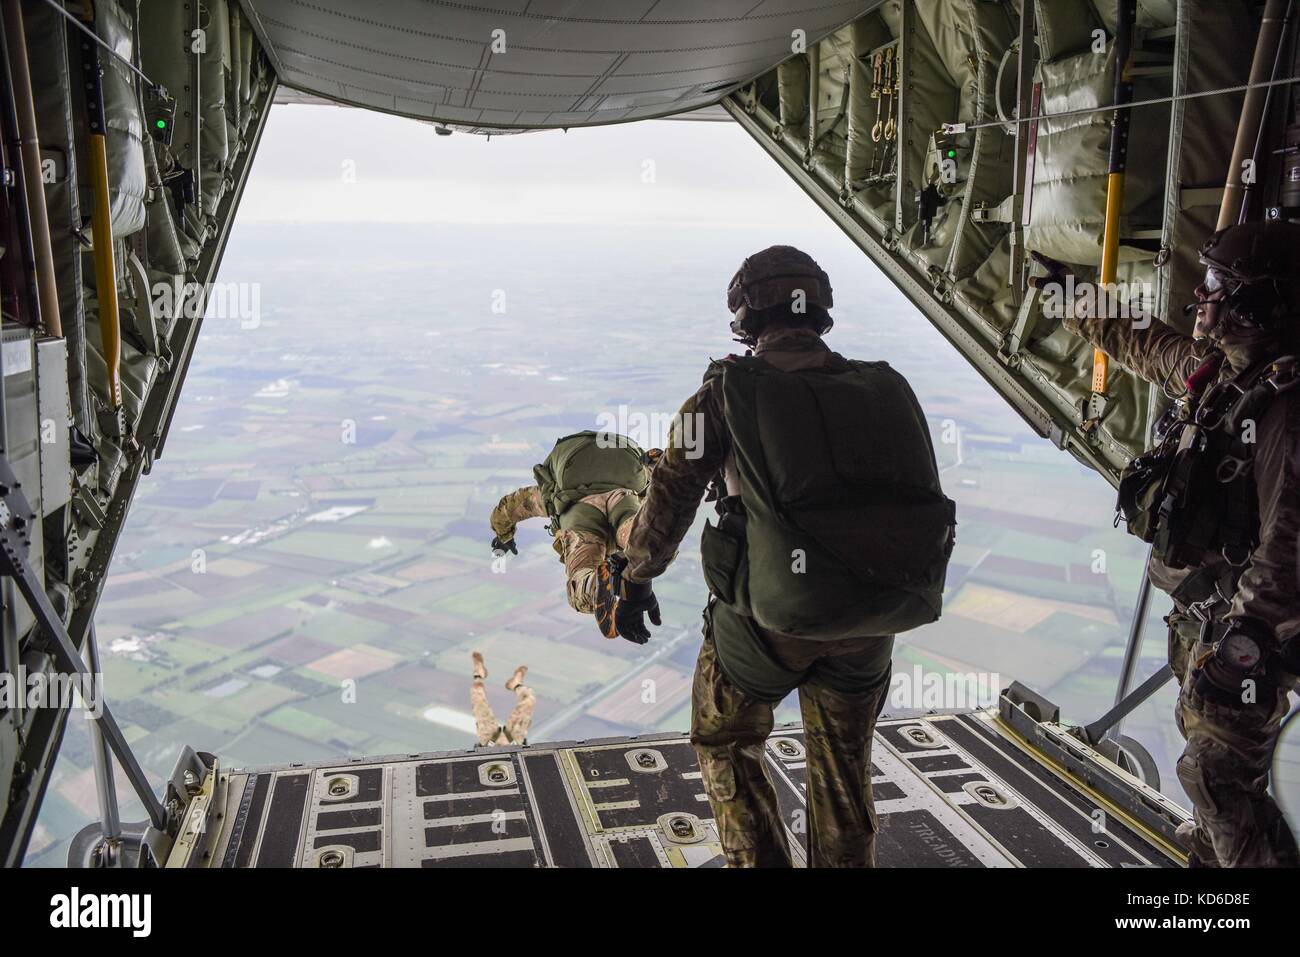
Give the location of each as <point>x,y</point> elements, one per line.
<point>842,684</point>
<point>490,731</point>
<point>1225,766</point>
<point>581,551</point>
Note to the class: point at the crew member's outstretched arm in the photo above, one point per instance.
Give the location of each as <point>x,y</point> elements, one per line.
<point>677,484</point>
<point>1158,353</point>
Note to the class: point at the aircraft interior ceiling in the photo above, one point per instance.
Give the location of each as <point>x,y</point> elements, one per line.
<point>534,65</point>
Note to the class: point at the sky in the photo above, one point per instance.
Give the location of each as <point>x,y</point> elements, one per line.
<point>336,164</point>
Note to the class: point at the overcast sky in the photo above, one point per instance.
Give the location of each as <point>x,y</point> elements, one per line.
<point>332,164</point>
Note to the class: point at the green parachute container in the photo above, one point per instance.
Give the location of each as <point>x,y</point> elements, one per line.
<point>847,531</point>
<point>588,463</point>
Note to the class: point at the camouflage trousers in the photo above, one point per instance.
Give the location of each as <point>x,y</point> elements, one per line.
<point>729,729</point>
<point>490,731</point>
<point>582,552</point>
<point>1225,766</point>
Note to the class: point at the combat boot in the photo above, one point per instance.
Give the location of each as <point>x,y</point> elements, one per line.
<point>517,678</point>
<point>1200,852</point>
<point>480,669</point>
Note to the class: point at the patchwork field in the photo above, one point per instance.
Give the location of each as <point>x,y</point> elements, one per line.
<point>306,570</point>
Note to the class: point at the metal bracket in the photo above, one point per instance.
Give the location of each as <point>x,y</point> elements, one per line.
<point>1094,732</point>
<point>1031,717</point>
<point>1094,413</point>
<point>202,793</point>
<point>1027,317</point>
<point>144,322</point>
<point>15,545</point>
<point>1003,212</point>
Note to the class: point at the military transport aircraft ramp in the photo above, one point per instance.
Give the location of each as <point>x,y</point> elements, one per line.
<point>951,790</point>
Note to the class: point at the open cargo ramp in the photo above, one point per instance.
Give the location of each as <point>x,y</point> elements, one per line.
<point>951,790</point>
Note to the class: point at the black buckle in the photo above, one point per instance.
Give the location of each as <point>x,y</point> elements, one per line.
<point>1285,375</point>
<point>1203,610</point>
<point>1211,412</point>
<point>1229,551</point>
<point>1231,468</point>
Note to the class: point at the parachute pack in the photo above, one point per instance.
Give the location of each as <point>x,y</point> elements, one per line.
<point>845,528</point>
<point>588,463</point>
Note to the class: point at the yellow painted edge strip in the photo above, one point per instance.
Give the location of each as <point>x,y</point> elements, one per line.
<point>1171,850</point>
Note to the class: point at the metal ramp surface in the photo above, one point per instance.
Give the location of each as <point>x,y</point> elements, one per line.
<point>955,790</point>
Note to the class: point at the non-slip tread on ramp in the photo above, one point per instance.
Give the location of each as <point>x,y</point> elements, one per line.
<point>951,791</point>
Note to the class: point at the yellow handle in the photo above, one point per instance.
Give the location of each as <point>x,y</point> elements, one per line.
<point>1110,238</point>
<point>1100,370</point>
<point>1109,267</point>
<point>110,330</point>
